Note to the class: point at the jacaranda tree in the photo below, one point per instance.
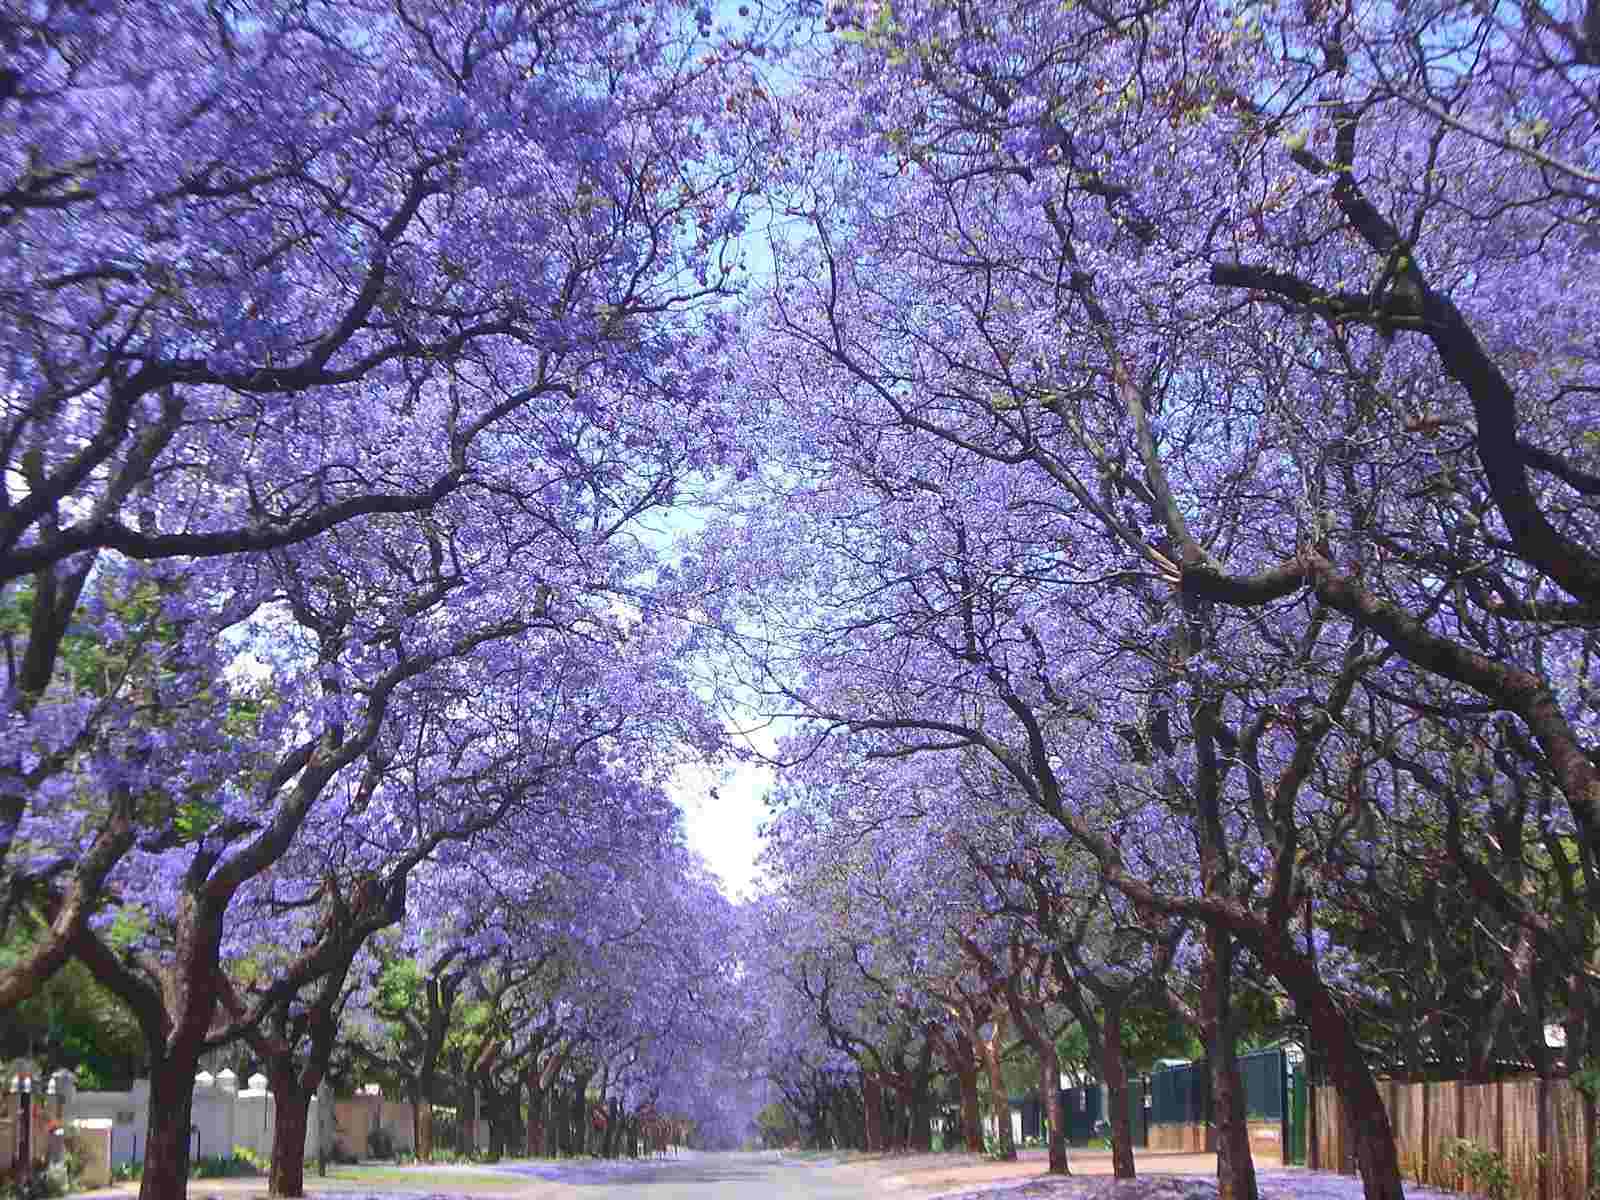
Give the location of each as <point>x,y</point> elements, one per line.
<point>342,342</point>
<point>1230,326</point>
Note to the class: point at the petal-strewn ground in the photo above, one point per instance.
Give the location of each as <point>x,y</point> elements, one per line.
<point>771,1176</point>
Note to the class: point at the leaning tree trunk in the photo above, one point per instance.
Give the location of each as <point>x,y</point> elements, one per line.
<point>961,1057</point>
<point>1236,1173</point>
<point>1037,1034</point>
<point>999,1103</point>
<point>1114,1070</point>
<point>1335,1039</point>
<point>175,1048</point>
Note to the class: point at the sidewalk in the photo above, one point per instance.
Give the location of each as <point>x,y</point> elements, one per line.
<point>924,1175</point>
<point>467,1181</point>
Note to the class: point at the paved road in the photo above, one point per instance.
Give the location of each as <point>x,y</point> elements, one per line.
<point>768,1177</point>
<point>704,1177</point>
<point>762,1176</point>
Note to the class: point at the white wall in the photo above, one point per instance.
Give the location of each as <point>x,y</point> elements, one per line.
<point>223,1117</point>
<point>125,1110</point>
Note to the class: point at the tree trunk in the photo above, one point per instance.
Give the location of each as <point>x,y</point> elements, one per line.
<point>291,1115</point>
<point>1236,1173</point>
<point>502,1129</point>
<point>561,1120</point>
<point>849,1119</point>
<point>552,1122</point>
<point>1031,1025</point>
<point>595,1139</point>
<point>921,1098</point>
<point>898,1122</point>
<point>1336,1044</point>
<point>174,1027</point>
<point>577,1123</point>
<point>613,1128</point>
<point>422,1120</point>
<point>1005,1146</point>
<point>1050,1091</point>
<point>498,1110</point>
<point>1114,1071</point>
<point>533,1145</point>
<point>467,1120</point>
<point>291,1097</point>
<point>872,1103</point>
<point>166,1147</point>
<point>971,1118</point>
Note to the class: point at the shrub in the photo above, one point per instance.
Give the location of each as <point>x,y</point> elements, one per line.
<point>1484,1169</point>
<point>250,1156</point>
<point>41,1184</point>
<point>229,1166</point>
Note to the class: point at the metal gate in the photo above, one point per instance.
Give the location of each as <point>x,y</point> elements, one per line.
<point>1181,1095</point>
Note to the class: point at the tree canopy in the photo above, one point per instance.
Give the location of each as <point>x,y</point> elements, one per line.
<point>1135,464</point>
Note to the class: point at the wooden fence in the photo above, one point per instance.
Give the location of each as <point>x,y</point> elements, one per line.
<point>1546,1159</point>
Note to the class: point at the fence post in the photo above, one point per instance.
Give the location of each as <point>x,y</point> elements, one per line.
<point>1500,1118</point>
<point>1313,1124</point>
<point>1427,1133</point>
<point>1285,1109</point>
<point>1347,1139</point>
<point>1541,1121</point>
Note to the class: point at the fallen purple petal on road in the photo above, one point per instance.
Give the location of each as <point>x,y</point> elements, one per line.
<point>1274,1185</point>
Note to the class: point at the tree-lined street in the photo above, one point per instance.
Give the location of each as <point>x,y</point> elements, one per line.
<point>1129,469</point>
